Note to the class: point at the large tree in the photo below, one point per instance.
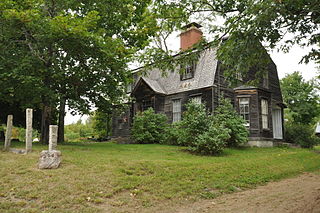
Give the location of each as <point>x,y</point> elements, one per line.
<point>75,51</point>
<point>301,97</point>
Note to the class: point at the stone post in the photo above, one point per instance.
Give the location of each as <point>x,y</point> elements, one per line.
<point>53,137</point>
<point>28,130</point>
<point>7,141</point>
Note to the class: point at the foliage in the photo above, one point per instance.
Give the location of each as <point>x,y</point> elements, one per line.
<point>173,133</point>
<point>301,97</point>
<point>195,121</point>
<point>226,115</point>
<point>210,134</point>
<point>149,127</point>
<point>79,131</point>
<point>96,172</point>
<point>102,123</point>
<point>74,50</point>
<point>301,134</point>
<point>246,25</point>
<point>212,141</point>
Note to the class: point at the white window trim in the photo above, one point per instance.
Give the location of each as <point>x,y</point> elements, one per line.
<point>265,113</point>
<point>176,110</point>
<point>242,114</point>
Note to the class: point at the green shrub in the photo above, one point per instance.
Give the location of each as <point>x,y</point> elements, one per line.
<point>195,122</point>
<point>226,115</point>
<point>301,134</point>
<point>211,142</point>
<point>172,134</point>
<point>149,127</point>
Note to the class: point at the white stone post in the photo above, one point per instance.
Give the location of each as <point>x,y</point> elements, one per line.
<point>53,137</point>
<point>28,130</point>
<point>7,141</point>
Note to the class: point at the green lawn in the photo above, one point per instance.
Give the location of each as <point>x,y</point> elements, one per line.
<point>97,176</point>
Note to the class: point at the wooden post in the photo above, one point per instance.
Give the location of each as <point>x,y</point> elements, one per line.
<point>28,130</point>
<point>53,137</point>
<point>7,141</point>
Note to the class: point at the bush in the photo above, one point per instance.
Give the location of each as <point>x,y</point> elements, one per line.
<point>149,127</point>
<point>226,115</point>
<point>210,134</point>
<point>194,123</point>
<point>172,134</point>
<point>301,134</point>
<point>212,141</point>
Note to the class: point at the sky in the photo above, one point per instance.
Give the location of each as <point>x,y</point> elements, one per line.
<point>286,64</point>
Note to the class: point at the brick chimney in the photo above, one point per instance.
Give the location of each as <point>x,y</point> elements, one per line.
<point>191,35</point>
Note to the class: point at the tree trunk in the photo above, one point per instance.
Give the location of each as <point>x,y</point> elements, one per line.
<point>45,122</point>
<point>62,113</point>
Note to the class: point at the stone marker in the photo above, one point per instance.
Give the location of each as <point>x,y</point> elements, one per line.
<point>51,159</point>
<point>53,137</point>
<point>28,130</point>
<point>7,141</point>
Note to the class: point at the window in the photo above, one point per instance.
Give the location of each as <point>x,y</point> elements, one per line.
<point>176,110</point>
<point>189,71</point>
<point>265,82</point>
<point>239,76</point>
<point>264,113</point>
<point>129,88</point>
<point>196,99</point>
<point>244,110</point>
<point>146,104</point>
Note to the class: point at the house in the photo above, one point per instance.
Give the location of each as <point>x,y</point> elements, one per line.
<point>261,106</point>
<point>317,131</point>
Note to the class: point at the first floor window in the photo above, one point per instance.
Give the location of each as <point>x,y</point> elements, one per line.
<point>146,104</point>
<point>176,110</point>
<point>264,113</point>
<point>196,99</point>
<point>244,110</point>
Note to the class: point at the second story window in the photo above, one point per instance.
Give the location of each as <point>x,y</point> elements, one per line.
<point>244,110</point>
<point>265,80</point>
<point>189,71</point>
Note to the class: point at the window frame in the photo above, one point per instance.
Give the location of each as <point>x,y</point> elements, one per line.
<point>264,113</point>
<point>194,98</point>
<point>245,114</point>
<point>176,114</point>
<point>189,71</point>
<point>265,80</point>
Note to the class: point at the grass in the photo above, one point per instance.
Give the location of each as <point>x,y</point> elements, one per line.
<point>99,176</point>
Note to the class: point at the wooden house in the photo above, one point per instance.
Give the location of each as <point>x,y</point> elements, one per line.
<point>261,106</point>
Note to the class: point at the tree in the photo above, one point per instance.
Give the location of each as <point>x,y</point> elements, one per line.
<point>102,123</point>
<point>301,97</point>
<point>247,24</point>
<point>75,50</point>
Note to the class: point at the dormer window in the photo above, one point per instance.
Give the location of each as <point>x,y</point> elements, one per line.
<point>188,72</point>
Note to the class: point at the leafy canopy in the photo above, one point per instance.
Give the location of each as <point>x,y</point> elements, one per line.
<point>301,97</point>
<point>247,24</point>
<point>78,49</point>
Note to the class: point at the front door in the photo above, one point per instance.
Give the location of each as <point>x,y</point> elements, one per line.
<point>277,123</point>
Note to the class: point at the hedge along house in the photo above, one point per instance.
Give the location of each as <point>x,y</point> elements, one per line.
<point>204,82</point>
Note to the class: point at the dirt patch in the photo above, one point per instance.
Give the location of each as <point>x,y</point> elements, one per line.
<point>300,194</point>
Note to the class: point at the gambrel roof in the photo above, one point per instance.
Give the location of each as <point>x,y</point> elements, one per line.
<point>171,83</point>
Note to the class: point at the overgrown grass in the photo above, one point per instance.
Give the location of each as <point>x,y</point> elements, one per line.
<point>96,176</point>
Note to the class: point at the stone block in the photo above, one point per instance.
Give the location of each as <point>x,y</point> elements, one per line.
<point>49,159</point>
